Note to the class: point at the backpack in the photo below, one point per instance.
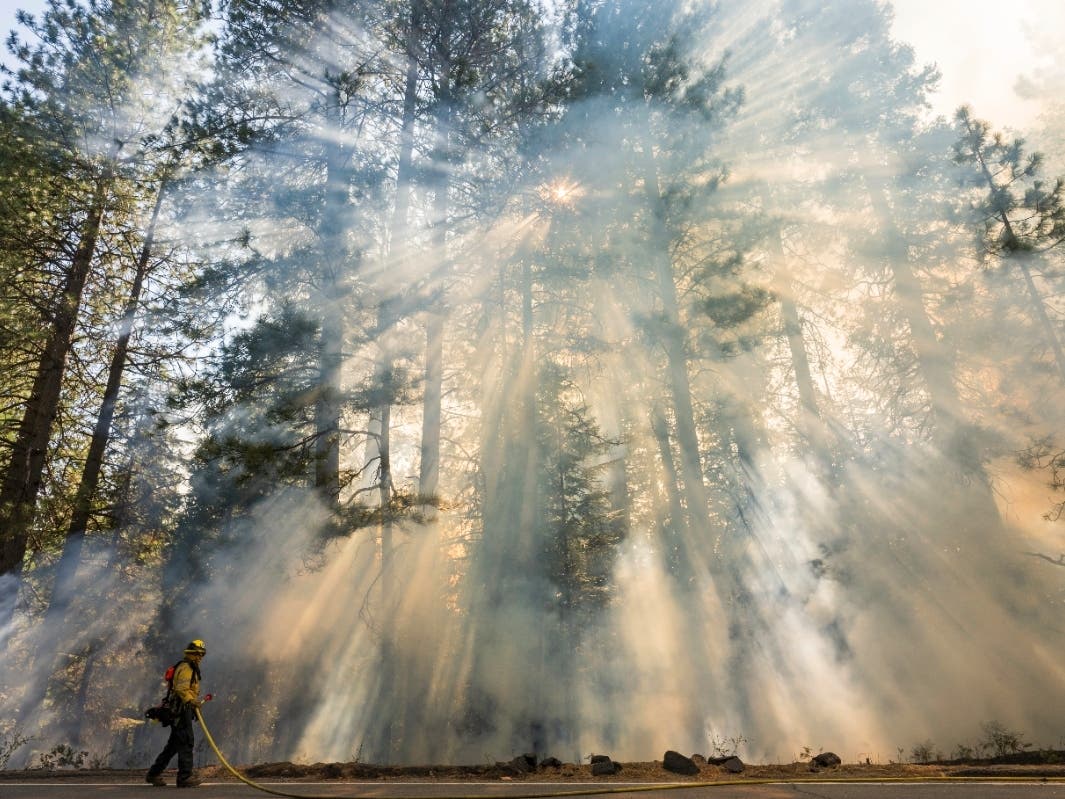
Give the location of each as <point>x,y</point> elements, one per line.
<point>169,709</point>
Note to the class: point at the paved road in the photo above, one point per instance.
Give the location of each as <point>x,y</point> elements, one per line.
<point>393,790</point>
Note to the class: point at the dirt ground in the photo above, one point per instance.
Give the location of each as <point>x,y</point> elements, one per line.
<point>1049,765</point>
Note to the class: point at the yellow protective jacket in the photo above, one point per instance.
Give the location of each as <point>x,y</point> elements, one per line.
<point>186,683</point>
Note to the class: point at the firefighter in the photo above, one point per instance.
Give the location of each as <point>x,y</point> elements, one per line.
<point>184,698</point>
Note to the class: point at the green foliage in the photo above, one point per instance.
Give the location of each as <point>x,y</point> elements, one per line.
<point>580,529</point>
<point>258,405</point>
<point>1019,211</point>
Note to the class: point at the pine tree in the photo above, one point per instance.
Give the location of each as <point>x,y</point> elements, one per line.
<point>1021,216</point>
<point>77,95</point>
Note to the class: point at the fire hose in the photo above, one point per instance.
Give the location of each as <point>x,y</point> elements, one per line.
<point>666,786</point>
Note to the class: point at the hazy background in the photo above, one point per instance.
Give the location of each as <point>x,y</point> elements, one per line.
<point>853,557</point>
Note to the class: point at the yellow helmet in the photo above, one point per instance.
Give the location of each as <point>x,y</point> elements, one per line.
<point>196,647</point>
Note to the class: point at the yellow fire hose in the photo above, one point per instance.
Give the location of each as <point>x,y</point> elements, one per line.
<point>666,786</point>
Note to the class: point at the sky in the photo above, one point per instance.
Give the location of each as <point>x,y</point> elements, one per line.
<point>1001,62</point>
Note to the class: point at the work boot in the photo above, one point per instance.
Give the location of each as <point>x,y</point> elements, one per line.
<point>189,782</point>
<point>156,780</point>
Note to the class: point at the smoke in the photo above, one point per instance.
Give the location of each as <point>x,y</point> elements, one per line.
<point>857,567</point>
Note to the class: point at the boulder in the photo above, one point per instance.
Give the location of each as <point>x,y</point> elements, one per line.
<point>826,760</point>
<point>733,765</point>
<point>605,768</point>
<point>524,763</point>
<point>550,762</point>
<point>678,763</point>
<point>600,759</point>
<point>509,768</point>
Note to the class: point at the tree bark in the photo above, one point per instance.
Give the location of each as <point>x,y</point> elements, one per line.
<point>677,523</point>
<point>22,479</point>
<point>1039,306</point>
<point>331,332</point>
<point>936,367</point>
<point>398,253</point>
<point>90,475</point>
<point>429,467</point>
<point>394,689</point>
<point>800,360</point>
<point>810,424</point>
<point>691,470</point>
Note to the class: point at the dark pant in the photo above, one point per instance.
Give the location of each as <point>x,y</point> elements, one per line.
<point>180,743</point>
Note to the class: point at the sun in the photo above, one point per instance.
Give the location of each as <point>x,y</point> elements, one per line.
<point>562,192</point>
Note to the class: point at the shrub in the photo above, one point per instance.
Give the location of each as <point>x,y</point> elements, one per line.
<point>925,752</point>
<point>10,743</point>
<point>62,756</point>
<point>725,746</point>
<point>998,741</point>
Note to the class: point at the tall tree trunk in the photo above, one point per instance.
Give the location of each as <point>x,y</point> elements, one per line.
<point>395,690</point>
<point>331,332</point>
<point>63,590</point>
<point>676,527</point>
<point>800,361</point>
<point>936,366</point>
<point>810,424</point>
<point>527,446</point>
<point>1039,307</point>
<point>398,255</point>
<point>22,479</point>
<point>429,467</point>
<point>691,469</point>
<point>65,586</point>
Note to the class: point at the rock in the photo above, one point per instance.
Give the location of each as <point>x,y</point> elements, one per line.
<point>550,762</point>
<point>605,768</point>
<point>678,763</point>
<point>826,760</point>
<point>600,759</point>
<point>524,763</point>
<point>510,768</point>
<point>699,760</point>
<point>733,765</point>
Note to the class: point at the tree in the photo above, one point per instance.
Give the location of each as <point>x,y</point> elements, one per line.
<point>1020,215</point>
<point>77,92</point>
<point>670,104</point>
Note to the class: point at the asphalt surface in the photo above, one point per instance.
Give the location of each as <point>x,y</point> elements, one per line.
<point>394,790</point>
